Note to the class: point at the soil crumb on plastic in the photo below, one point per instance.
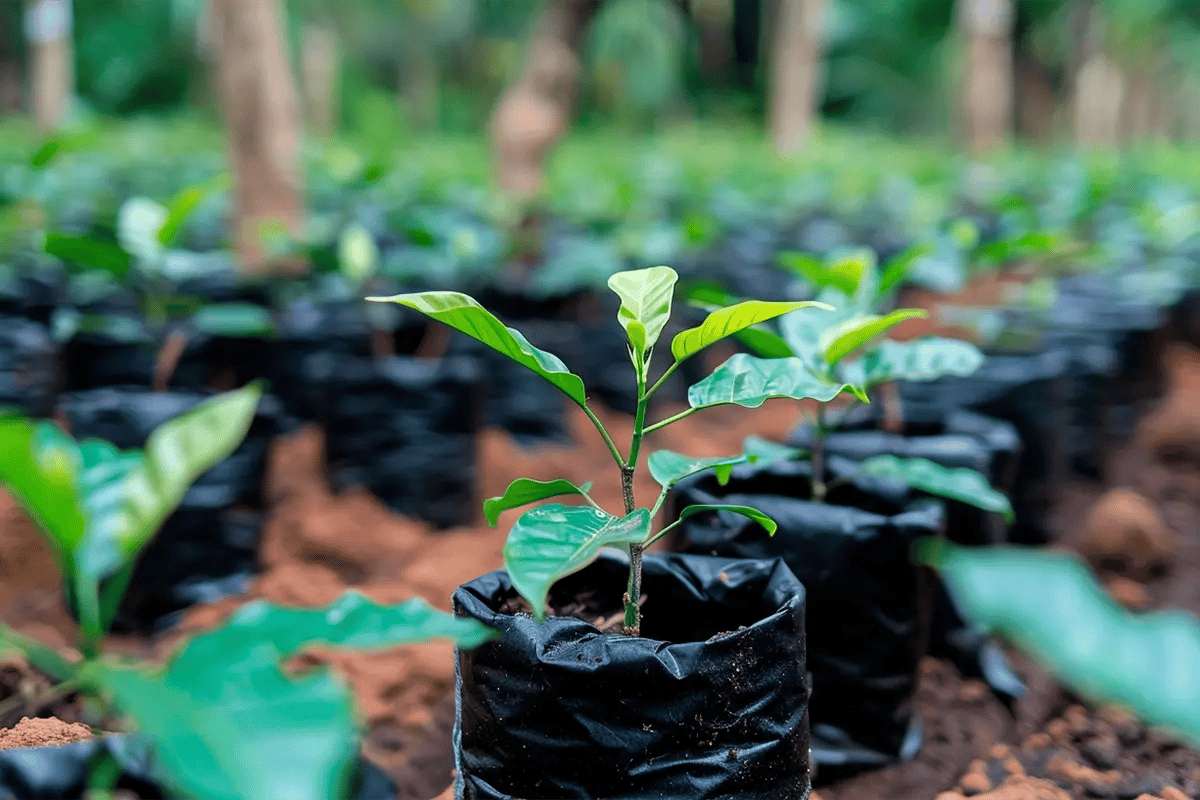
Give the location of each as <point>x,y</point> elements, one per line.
<point>42,732</point>
<point>1124,532</point>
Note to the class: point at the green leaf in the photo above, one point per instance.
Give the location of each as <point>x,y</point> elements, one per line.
<point>669,468</point>
<point>764,451</point>
<point>39,465</point>
<point>241,320</point>
<point>843,339</point>
<point>646,296</point>
<point>139,222</point>
<point>465,314</point>
<point>842,276</point>
<point>46,152</point>
<point>925,359</point>
<point>1049,605</point>
<point>898,266</point>
<point>962,484</point>
<point>552,541</point>
<point>749,382</point>
<point>746,511</point>
<point>764,343</point>
<point>358,255</point>
<point>88,252</point>
<point>227,723</point>
<point>38,655</point>
<point>183,205</point>
<point>524,491</point>
<point>728,321</point>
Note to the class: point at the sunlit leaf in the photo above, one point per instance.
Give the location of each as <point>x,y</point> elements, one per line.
<point>844,338</point>
<point>646,296</point>
<point>465,314</point>
<point>762,519</point>
<point>728,321</point>
<point>552,541</point>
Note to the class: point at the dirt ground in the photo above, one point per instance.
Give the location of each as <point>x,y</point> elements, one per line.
<point>1050,745</point>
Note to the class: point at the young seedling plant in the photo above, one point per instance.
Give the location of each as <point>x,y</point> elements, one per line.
<point>824,341</point>
<point>555,540</point>
<point>222,720</point>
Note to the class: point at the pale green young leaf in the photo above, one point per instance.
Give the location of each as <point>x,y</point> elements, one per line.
<point>924,359</point>
<point>646,296</point>
<point>844,338</point>
<point>762,519</point>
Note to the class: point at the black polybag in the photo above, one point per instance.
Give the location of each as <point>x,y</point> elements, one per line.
<point>953,439</point>
<point>710,702</point>
<point>208,547</point>
<point>404,429</point>
<point>868,603</point>
<point>61,772</point>
<point>28,366</point>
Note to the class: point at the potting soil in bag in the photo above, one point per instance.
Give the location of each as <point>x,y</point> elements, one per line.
<point>28,366</point>
<point>404,429</point>
<point>868,604</point>
<point>208,547</point>
<point>709,702</point>
<point>954,439</point>
<point>61,772</point>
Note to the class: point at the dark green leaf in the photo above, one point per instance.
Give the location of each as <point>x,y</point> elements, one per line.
<point>552,541</point>
<point>844,338</point>
<point>842,276</point>
<point>749,382</point>
<point>46,152</point>
<point>764,451</point>
<point>764,343</point>
<point>668,468</point>
<point>464,314</point>
<point>87,252</point>
<point>228,724</point>
<point>728,321</point>
<point>1049,605</point>
<point>646,296</point>
<point>965,485</point>
<point>746,511</point>
<point>524,491</point>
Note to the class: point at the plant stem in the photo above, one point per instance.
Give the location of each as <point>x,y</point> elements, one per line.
<point>670,370</point>
<point>633,614</point>
<point>819,487</point>
<point>612,448</point>
<point>664,423</point>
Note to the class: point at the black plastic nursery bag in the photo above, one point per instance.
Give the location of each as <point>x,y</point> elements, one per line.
<point>710,702</point>
<point>29,366</point>
<point>868,604</point>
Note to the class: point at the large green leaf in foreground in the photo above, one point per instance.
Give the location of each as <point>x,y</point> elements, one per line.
<point>1049,605</point>
<point>228,724</point>
<point>464,314</point>
<point>552,541</point>
<point>748,381</point>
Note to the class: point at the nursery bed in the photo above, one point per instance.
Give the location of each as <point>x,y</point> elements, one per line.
<point>316,544</point>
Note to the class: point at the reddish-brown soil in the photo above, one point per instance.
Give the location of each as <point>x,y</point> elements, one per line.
<point>42,732</point>
<point>316,544</point>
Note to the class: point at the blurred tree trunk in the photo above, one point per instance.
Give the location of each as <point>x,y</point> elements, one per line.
<point>532,115</point>
<point>258,100</point>
<point>714,30</point>
<point>10,56</point>
<point>985,29</point>
<point>796,73</point>
<point>1037,105</point>
<point>52,54</point>
<point>320,71</point>
<point>420,88</point>
<point>1098,84</point>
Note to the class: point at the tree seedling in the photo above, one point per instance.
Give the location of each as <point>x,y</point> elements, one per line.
<point>552,541</point>
<point>223,720</point>
<point>846,342</point>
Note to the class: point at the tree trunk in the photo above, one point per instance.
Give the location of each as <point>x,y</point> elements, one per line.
<point>532,115</point>
<point>255,89</point>
<point>987,83</point>
<point>796,73</point>
<point>48,29</point>
<point>319,66</point>
<point>420,89</point>
<point>713,20</point>
<point>1098,83</point>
